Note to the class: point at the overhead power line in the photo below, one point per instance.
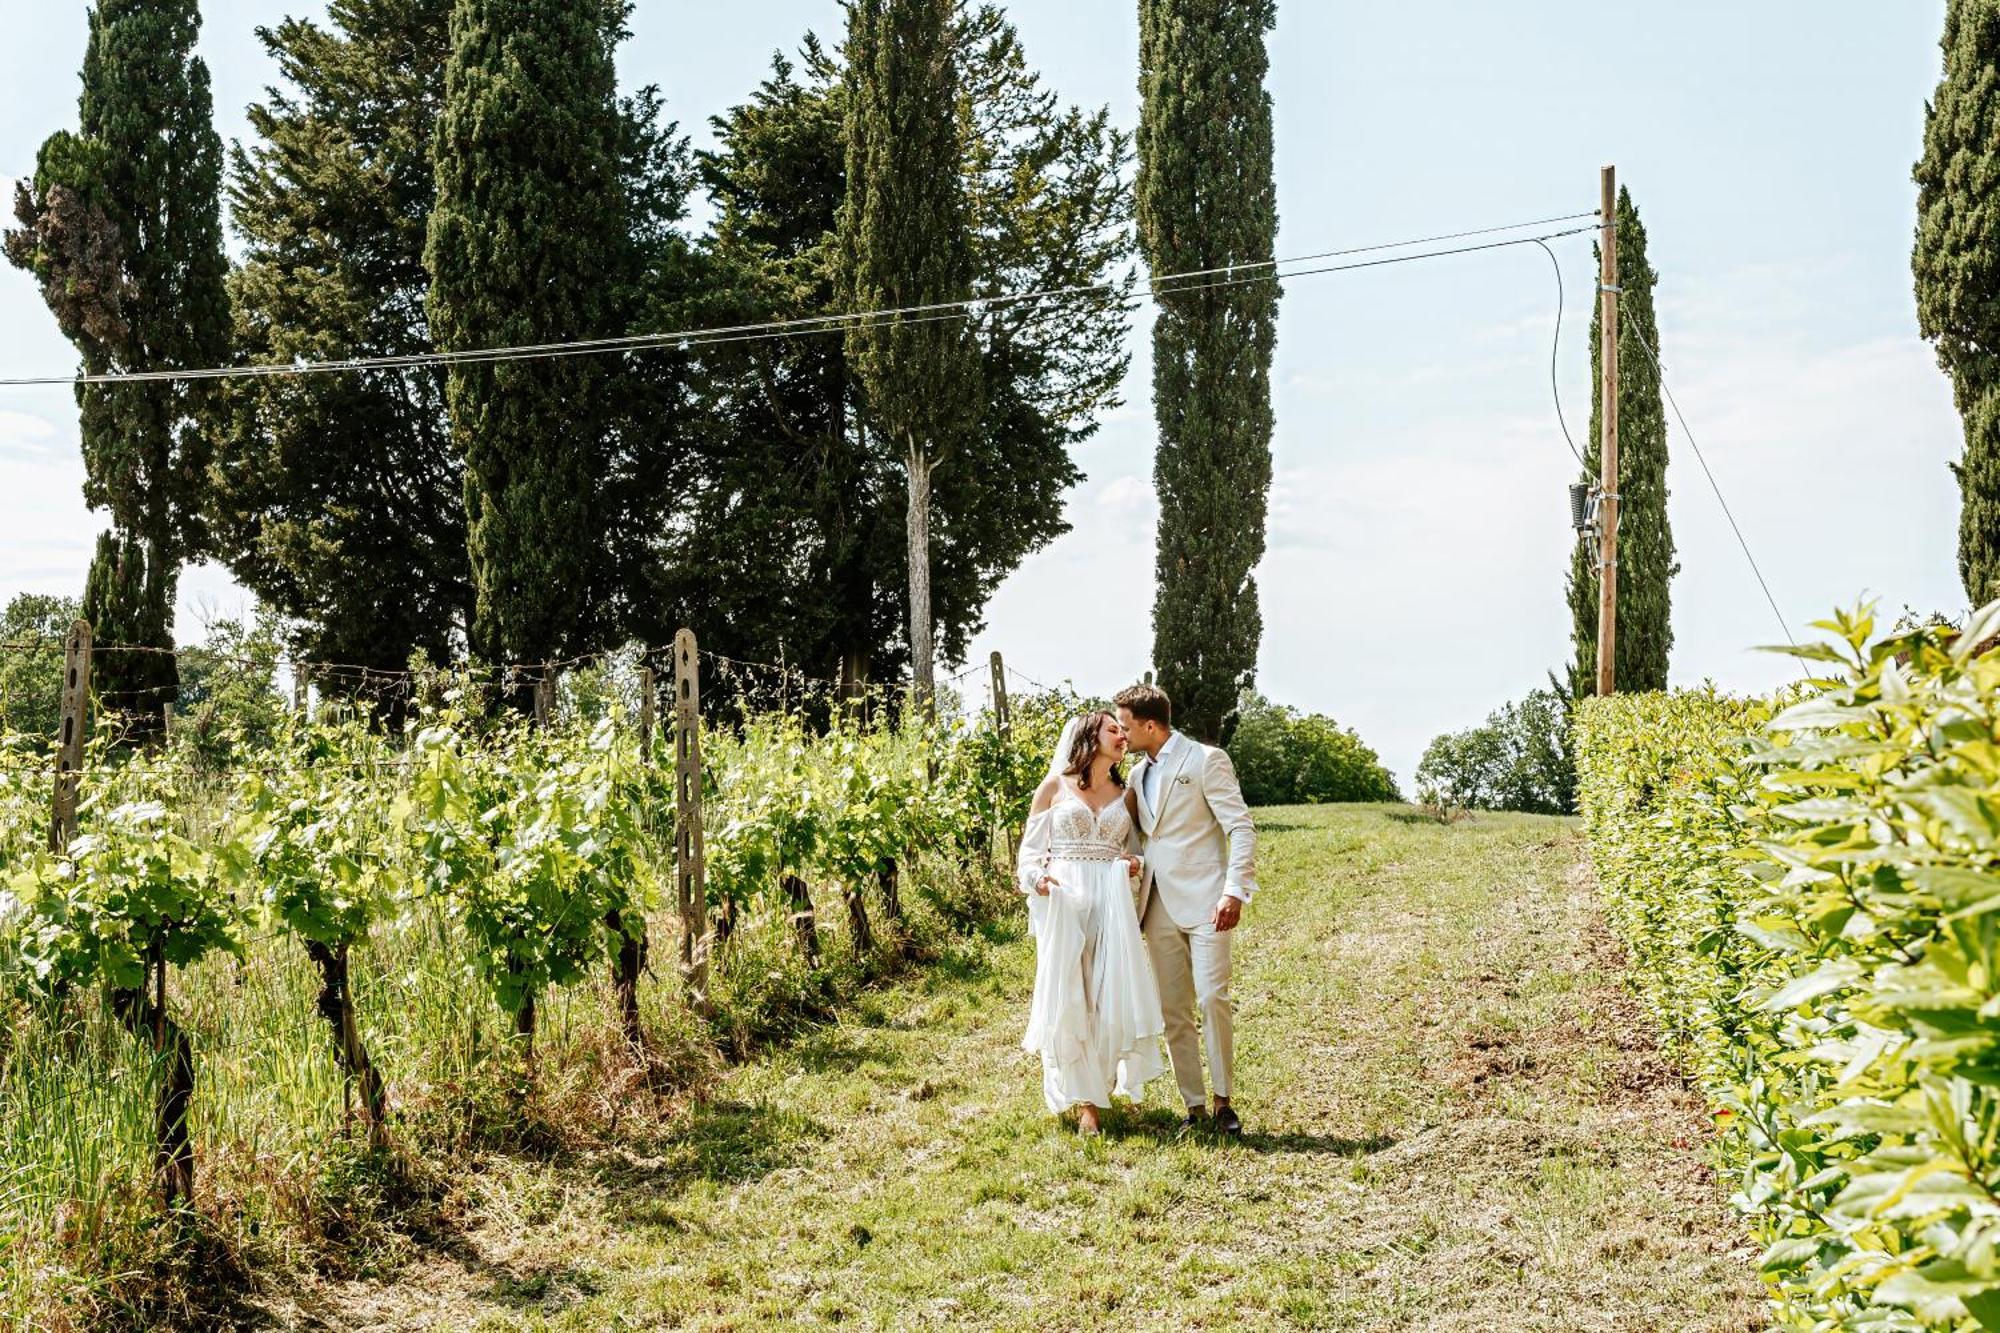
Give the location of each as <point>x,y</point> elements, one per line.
<point>1555,353</point>
<point>1157,286</point>
<point>1714,485</point>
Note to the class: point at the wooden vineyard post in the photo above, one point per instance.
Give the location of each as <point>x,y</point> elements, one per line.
<point>1607,468</point>
<point>1002,719</point>
<point>629,963</point>
<point>647,688</point>
<point>1003,723</point>
<point>301,688</point>
<point>69,740</point>
<point>545,695</point>
<point>690,869</point>
<point>166,724</point>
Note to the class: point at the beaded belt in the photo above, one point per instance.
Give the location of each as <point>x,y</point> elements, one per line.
<point>1084,851</point>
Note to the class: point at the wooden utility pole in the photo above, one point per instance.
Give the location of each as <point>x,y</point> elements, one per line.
<point>69,741</point>
<point>1607,442</point>
<point>690,861</point>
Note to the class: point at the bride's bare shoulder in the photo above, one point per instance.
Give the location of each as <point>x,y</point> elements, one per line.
<point>1045,795</point>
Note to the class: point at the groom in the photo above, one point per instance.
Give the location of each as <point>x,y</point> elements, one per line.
<point>1201,868</point>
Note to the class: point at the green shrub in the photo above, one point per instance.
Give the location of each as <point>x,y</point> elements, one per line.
<point>1811,893</point>
<point>1518,760</point>
<point>1285,757</point>
<point>31,666</point>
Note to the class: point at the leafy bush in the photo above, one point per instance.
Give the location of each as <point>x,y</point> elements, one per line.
<point>31,666</point>
<point>1813,910</point>
<point>1285,757</point>
<point>229,708</point>
<point>1519,760</point>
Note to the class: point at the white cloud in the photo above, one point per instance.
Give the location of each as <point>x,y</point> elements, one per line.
<point>1128,497</point>
<point>23,435</point>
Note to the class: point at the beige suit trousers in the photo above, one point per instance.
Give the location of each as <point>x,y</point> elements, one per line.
<point>1192,969</point>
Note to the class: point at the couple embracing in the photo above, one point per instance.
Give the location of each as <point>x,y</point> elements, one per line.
<point>1134,889</point>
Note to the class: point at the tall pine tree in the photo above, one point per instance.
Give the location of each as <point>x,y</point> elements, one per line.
<point>1956,261</point>
<point>1207,200</point>
<point>905,241</point>
<point>1646,561</point>
<point>122,227</point>
<point>339,499</point>
<point>531,242</point>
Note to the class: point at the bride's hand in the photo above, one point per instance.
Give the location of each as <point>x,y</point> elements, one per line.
<point>1133,866</point>
<point>1045,883</point>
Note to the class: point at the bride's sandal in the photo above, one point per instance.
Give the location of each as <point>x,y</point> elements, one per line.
<point>1086,1122</point>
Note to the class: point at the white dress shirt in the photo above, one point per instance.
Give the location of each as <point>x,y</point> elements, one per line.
<point>1150,782</point>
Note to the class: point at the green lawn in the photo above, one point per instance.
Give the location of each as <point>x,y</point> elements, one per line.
<point>1457,1121</point>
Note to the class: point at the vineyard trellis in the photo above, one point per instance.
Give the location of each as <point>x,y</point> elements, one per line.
<point>518,852</point>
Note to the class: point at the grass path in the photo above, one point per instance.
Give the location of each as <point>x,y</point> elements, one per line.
<point>1457,1121</point>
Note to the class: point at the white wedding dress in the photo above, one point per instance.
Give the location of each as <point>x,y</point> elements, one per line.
<point>1095,1020</point>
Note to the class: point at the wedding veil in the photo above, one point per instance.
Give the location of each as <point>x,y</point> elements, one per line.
<point>1059,761</point>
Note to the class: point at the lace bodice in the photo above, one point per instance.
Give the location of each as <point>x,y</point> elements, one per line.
<point>1078,833</point>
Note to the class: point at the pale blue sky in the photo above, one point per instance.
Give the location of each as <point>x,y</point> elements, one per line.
<point>1418,518</point>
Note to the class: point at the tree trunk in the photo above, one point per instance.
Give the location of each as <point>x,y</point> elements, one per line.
<point>857,920</point>
<point>146,1017</point>
<point>805,924</point>
<point>923,650</point>
<point>854,683</point>
<point>626,965</point>
<point>336,1005</point>
<point>524,1026</point>
<point>176,1148</point>
<point>890,877</point>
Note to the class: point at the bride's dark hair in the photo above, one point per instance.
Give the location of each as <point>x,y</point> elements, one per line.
<point>1083,751</point>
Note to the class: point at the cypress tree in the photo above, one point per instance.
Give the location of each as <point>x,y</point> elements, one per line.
<point>905,241</point>
<point>339,498</point>
<point>122,228</point>
<point>1956,262</point>
<point>1207,200</point>
<point>1646,563</point>
<point>126,599</point>
<point>529,243</point>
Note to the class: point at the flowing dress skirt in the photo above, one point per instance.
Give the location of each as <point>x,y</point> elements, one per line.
<point>1095,1020</point>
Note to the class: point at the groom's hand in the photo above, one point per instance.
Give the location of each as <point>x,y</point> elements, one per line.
<point>1227,913</point>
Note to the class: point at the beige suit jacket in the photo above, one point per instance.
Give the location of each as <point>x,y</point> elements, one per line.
<point>1200,843</point>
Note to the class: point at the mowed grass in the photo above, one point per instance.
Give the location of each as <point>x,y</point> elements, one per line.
<point>1457,1120</point>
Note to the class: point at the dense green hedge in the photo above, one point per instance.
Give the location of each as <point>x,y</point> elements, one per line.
<point>1811,893</point>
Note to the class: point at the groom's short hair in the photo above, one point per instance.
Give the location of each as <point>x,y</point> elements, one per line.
<point>1148,703</point>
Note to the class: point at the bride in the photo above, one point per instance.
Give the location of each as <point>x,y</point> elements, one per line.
<point>1095,1020</point>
